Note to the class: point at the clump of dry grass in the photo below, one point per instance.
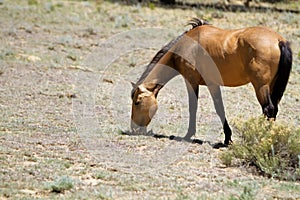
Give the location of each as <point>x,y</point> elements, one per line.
<point>62,184</point>
<point>273,148</point>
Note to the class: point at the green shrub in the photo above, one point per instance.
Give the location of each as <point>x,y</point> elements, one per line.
<point>274,149</point>
<point>61,184</point>
<point>32,2</point>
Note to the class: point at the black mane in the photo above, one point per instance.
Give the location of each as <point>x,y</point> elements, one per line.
<point>157,58</point>
<point>195,22</point>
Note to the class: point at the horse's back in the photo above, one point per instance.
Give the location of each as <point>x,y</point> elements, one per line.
<point>263,40</point>
<point>260,36</point>
<point>222,46</point>
<point>219,42</point>
<point>234,50</point>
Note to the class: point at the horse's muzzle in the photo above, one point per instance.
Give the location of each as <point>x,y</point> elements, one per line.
<point>138,130</point>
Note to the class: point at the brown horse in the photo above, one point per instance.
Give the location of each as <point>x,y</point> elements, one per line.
<point>207,55</point>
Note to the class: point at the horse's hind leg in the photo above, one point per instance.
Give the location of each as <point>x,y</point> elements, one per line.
<point>218,103</point>
<point>264,98</point>
<point>261,73</point>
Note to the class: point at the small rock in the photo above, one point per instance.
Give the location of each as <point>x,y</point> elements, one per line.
<point>71,96</point>
<point>33,58</point>
<point>108,80</point>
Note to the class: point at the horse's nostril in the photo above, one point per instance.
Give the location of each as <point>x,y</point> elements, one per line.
<point>136,103</point>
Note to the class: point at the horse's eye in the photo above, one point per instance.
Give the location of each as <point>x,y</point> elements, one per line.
<point>138,100</point>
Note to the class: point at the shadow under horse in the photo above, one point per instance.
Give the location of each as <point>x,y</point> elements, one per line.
<point>179,139</point>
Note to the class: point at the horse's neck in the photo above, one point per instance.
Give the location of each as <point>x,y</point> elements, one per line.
<point>162,72</point>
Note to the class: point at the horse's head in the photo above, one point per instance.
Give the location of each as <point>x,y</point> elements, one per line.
<point>144,106</point>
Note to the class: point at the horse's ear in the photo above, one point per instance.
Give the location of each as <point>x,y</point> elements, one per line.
<point>133,84</point>
<point>155,89</point>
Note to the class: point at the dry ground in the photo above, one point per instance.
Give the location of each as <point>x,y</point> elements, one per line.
<point>53,125</point>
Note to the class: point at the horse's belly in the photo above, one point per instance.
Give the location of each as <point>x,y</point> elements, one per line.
<point>233,74</point>
<point>235,81</point>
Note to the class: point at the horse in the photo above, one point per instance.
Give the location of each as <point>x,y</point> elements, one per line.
<point>215,57</point>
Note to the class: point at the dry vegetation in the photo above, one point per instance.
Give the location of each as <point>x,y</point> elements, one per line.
<point>273,149</point>
<point>52,147</point>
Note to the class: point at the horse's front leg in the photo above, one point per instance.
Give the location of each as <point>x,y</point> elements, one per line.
<point>193,90</point>
<point>215,92</point>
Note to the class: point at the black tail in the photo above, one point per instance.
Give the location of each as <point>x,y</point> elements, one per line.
<point>283,73</point>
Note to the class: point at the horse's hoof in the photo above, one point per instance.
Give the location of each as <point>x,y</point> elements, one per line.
<point>176,138</point>
<point>172,137</point>
<point>187,139</point>
<point>220,145</point>
<point>229,142</point>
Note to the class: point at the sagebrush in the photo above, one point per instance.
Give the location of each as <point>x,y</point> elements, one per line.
<point>273,148</point>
